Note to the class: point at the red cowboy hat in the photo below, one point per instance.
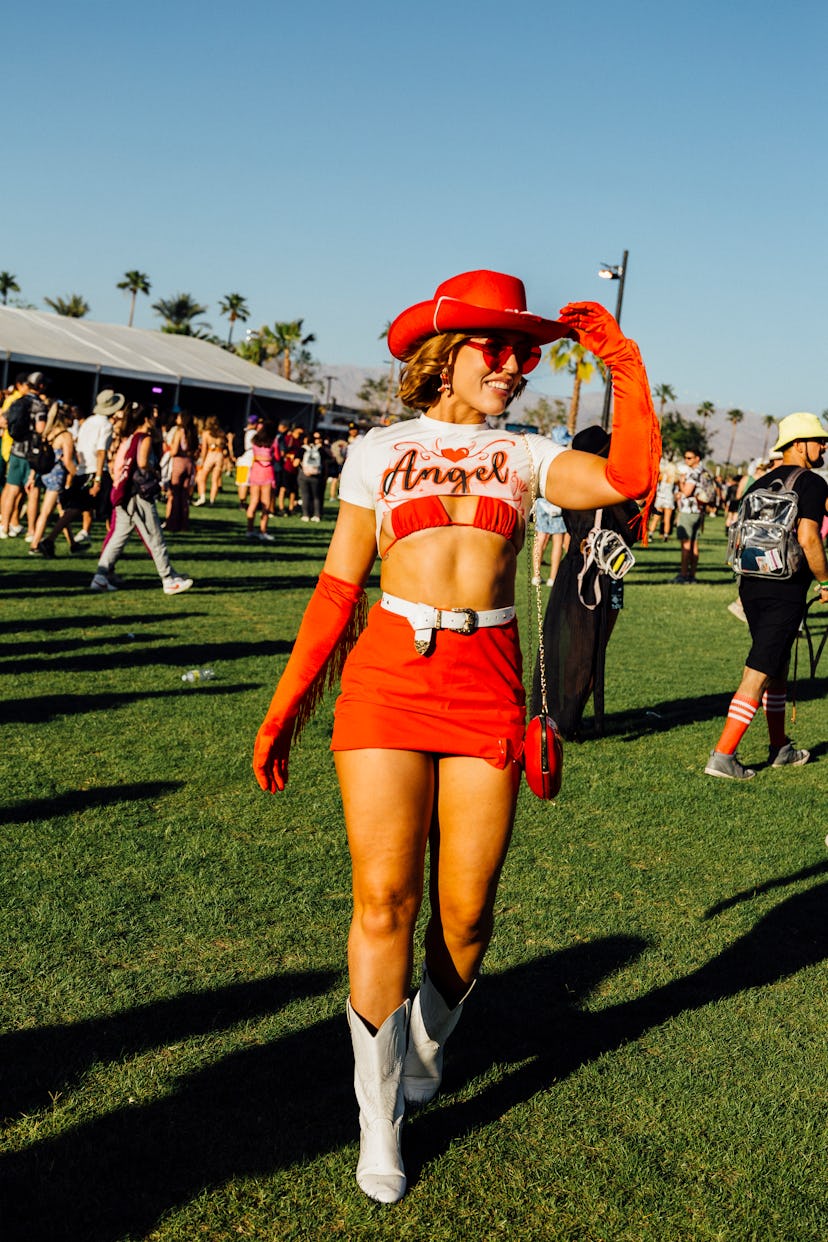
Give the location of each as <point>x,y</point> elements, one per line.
<point>473,302</point>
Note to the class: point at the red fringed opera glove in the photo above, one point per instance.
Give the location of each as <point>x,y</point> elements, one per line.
<point>329,628</point>
<point>635,449</point>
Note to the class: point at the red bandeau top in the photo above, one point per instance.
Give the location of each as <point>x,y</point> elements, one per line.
<point>429,512</point>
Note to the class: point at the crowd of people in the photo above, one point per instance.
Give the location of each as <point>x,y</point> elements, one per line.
<point>64,469</point>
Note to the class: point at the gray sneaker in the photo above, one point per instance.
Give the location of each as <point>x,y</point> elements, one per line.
<point>100,582</point>
<point>785,756</point>
<point>728,766</point>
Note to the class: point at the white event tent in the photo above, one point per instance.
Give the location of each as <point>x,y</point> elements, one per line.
<point>81,358</point>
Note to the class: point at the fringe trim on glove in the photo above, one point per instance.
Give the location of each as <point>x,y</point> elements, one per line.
<point>331,670</point>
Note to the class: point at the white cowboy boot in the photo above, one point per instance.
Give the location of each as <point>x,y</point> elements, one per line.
<point>378,1062</point>
<point>431,1024</point>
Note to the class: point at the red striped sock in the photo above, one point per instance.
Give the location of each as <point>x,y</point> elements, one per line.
<point>739,715</point>
<point>775,704</point>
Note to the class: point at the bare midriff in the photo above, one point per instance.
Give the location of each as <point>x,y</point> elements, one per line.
<point>452,567</point>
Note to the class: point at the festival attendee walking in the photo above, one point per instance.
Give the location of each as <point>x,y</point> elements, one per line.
<point>312,477</point>
<point>57,479</point>
<point>136,485</point>
<point>691,510</point>
<point>429,727</point>
<point>182,447</point>
<point>93,482</point>
<point>215,454</point>
<point>261,482</point>
<point>25,420</point>
<point>774,607</point>
<point>665,501</point>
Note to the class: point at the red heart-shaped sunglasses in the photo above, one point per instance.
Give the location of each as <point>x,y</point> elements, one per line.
<point>497,352</point>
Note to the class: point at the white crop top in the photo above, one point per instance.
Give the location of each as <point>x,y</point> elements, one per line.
<point>425,457</point>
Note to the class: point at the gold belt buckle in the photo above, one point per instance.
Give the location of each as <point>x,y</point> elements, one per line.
<point>470,624</point>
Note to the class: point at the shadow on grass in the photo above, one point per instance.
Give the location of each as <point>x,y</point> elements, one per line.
<point>37,1065</point>
<point>521,1018</point>
<point>84,621</point>
<point>48,707</point>
<point>767,886</point>
<point>672,713</point>
<point>75,801</point>
<point>14,649</point>
<point>271,1107</point>
<point>180,655</point>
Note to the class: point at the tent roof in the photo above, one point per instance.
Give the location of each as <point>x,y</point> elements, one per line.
<point>38,339</point>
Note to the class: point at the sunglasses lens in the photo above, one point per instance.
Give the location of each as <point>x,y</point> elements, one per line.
<point>531,359</point>
<point>497,353</point>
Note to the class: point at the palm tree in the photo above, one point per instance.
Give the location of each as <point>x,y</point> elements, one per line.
<point>705,410</point>
<point>73,306</point>
<point>663,393</point>
<point>581,364</point>
<point>134,283</point>
<point>734,417</point>
<point>235,307</point>
<point>285,340</point>
<point>178,313</point>
<point>8,284</point>
<point>767,421</point>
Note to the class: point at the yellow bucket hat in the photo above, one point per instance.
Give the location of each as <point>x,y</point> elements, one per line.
<point>799,427</point>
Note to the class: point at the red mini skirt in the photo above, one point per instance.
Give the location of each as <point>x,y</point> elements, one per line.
<point>465,697</point>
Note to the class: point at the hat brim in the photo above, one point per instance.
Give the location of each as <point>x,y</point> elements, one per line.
<point>111,407</point>
<point>450,315</point>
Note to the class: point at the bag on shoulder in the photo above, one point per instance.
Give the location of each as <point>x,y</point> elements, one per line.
<point>19,418</point>
<point>705,492</point>
<point>762,542</point>
<point>41,454</point>
<point>146,483</point>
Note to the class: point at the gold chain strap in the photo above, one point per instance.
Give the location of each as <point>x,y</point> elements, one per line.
<point>533,487</point>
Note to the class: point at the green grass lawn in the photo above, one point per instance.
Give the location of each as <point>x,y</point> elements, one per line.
<point>644,1058</point>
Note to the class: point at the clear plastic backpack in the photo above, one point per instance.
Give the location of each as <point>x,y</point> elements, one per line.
<point>762,541</point>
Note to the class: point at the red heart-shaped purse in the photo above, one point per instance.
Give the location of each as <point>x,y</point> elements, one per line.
<point>543,757</point>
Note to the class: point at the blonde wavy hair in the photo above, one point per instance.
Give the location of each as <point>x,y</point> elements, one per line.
<point>419,386</point>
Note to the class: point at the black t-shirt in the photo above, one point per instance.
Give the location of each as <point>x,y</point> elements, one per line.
<point>812,491</point>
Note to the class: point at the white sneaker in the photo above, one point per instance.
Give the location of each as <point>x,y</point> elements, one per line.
<point>202,500</point>
<point>304,518</point>
<point>29,536</point>
<point>81,537</point>
<point>14,531</point>
<point>536,581</point>
<point>100,582</point>
<point>315,519</point>
<point>176,583</point>
<point>266,537</point>
<point>4,534</point>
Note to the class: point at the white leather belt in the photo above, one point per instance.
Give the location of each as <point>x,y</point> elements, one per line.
<point>424,619</point>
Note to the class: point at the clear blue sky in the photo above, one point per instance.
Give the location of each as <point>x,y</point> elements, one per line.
<point>336,162</point>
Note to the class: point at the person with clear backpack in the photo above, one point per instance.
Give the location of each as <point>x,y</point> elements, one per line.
<point>774,603</point>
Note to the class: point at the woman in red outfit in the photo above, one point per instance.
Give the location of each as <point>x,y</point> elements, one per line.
<point>429,727</point>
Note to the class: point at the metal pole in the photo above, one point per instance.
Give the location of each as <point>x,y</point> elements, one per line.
<point>605,413</point>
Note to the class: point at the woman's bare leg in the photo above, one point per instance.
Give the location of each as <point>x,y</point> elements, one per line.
<point>50,500</point>
<point>265,500</point>
<point>555,557</point>
<point>475,810</point>
<point>387,797</point>
<point>253,504</point>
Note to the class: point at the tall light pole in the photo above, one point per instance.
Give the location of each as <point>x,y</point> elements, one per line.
<point>613,272</point>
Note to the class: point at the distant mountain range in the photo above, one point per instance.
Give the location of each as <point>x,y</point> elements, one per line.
<point>751,440</point>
